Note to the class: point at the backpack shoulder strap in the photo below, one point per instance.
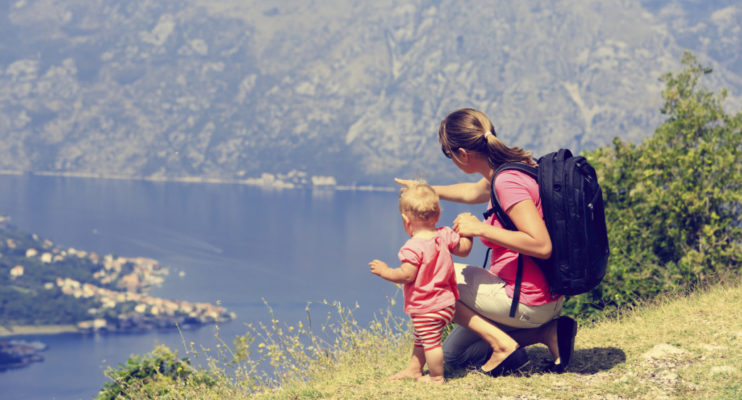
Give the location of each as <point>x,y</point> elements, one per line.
<point>496,207</point>
<point>507,223</point>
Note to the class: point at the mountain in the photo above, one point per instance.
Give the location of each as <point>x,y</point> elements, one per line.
<point>232,89</point>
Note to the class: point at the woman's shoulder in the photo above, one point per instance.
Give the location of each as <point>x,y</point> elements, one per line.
<point>514,177</point>
<point>514,186</point>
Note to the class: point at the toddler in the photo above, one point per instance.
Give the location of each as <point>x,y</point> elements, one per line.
<point>428,276</point>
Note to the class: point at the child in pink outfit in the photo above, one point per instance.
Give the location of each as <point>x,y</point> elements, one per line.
<point>428,276</point>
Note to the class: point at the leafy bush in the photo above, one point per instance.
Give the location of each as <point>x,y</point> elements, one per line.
<point>157,371</point>
<point>673,201</point>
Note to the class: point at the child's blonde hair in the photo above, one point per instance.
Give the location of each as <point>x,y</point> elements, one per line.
<point>420,201</point>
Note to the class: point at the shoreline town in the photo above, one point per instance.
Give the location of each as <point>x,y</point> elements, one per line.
<point>122,302</point>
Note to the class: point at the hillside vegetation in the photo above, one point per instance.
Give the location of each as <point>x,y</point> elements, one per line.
<point>674,201</point>
<point>685,347</point>
<point>665,322</point>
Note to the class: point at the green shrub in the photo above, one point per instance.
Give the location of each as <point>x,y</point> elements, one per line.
<point>158,371</point>
<point>673,201</point>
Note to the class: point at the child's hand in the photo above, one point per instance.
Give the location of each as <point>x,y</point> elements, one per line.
<point>467,225</point>
<point>377,267</point>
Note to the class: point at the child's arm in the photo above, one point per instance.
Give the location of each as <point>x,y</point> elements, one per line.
<point>464,246</point>
<point>404,274</point>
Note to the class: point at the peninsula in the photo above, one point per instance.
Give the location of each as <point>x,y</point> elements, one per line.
<point>46,289</point>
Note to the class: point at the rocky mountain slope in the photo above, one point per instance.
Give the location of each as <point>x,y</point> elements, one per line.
<point>228,89</point>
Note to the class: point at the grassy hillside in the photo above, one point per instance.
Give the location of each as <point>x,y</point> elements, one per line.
<point>686,347</point>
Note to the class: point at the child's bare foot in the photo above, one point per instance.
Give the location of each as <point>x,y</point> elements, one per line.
<point>405,374</point>
<point>437,380</point>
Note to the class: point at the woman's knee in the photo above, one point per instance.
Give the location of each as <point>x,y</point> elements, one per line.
<point>463,348</point>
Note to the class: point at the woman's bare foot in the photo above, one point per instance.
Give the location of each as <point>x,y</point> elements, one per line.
<point>406,374</point>
<point>438,380</point>
<point>497,358</point>
<point>552,340</point>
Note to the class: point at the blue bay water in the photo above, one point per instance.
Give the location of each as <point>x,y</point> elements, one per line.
<point>234,244</point>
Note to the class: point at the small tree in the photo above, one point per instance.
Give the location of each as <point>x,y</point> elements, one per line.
<point>672,202</point>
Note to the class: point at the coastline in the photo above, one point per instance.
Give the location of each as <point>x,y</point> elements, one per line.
<point>270,182</point>
<point>20,330</point>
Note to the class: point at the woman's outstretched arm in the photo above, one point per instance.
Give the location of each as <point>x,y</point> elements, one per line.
<point>465,192</point>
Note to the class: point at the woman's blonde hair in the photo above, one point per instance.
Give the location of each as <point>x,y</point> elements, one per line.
<point>420,201</point>
<point>468,129</point>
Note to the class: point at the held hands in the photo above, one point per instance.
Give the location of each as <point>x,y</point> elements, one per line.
<point>378,267</point>
<point>467,224</point>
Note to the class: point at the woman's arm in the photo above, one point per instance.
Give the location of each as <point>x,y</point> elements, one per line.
<point>531,238</point>
<point>466,192</point>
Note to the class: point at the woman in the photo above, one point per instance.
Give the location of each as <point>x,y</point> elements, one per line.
<point>486,335</point>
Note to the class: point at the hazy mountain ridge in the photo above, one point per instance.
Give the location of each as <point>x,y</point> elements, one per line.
<point>228,89</point>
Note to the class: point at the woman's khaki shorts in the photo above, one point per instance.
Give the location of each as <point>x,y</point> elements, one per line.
<point>484,292</point>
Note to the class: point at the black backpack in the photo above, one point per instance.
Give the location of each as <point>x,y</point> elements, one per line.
<point>572,203</point>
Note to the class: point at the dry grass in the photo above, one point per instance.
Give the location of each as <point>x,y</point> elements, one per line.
<point>675,348</point>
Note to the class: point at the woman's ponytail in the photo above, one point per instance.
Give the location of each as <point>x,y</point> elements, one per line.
<point>470,129</point>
